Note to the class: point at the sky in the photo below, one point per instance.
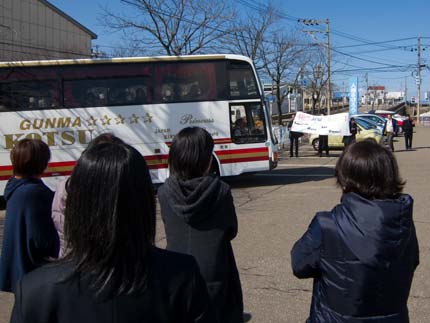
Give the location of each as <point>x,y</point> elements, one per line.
<point>354,28</point>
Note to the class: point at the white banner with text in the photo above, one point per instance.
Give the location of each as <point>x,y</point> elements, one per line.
<point>335,124</point>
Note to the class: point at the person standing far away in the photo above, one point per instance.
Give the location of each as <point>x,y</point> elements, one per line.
<point>29,238</point>
<point>113,272</point>
<point>408,132</point>
<point>294,138</point>
<point>391,130</point>
<point>347,140</point>
<point>59,202</point>
<point>200,219</point>
<point>363,253</point>
<point>323,144</point>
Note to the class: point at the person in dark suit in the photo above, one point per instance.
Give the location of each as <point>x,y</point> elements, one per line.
<point>362,254</point>
<point>30,238</point>
<point>200,219</point>
<point>294,138</point>
<point>347,140</point>
<point>323,144</point>
<point>408,132</point>
<point>112,272</point>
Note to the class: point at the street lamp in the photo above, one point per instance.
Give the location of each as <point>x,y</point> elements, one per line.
<point>314,101</point>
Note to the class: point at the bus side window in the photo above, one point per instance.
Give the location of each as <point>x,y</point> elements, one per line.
<point>242,81</point>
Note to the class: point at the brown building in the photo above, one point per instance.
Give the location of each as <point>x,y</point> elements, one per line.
<point>36,29</point>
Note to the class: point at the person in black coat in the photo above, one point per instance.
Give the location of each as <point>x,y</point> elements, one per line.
<point>112,272</point>
<point>294,139</point>
<point>347,140</point>
<point>323,144</point>
<point>363,253</point>
<point>408,132</point>
<point>200,219</point>
<point>30,238</point>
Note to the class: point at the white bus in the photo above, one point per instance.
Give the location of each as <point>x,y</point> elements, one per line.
<point>145,101</point>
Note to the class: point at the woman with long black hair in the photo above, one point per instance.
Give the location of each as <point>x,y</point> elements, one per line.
<point>112,271</point>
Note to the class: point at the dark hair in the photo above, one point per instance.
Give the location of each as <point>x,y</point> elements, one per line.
<point>370,170</point>
<point>104,137</point>
<point>191,153</point>
<point>30,157</point>
<point>110,218</point>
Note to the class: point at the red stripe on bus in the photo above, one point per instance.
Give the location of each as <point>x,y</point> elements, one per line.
<point>216,141</point>
<point>157,166</point>
<point>242,151</point>
<point>244,160</point>
<point>155,157</point>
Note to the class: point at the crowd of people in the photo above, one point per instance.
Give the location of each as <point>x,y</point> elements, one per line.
<point>391,129</point>
<point>88,254</point>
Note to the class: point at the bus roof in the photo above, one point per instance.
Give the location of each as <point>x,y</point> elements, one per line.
<point>124,60</point>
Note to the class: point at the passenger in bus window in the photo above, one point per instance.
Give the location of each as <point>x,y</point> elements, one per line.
<point>140,96</point>
<point>167,93</point>
<point>90,99</point>
<point>200,219</point>
<point>194,92</point>
<point>240,128</point>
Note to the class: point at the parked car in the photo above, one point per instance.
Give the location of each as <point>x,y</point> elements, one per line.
<point>370,123</point>
<point>364,131</point>
<point>380,121</point>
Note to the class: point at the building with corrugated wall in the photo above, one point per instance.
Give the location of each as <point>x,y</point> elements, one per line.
<point>36,29</point>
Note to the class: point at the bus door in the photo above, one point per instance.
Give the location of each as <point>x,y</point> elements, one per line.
<point>249,135</point>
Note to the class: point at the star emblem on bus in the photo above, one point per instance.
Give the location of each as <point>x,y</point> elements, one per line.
<point>106,120</point>
<point>119,119</point>
<point>147,118</point>
<point>92,121</point>
<point>134,118</point>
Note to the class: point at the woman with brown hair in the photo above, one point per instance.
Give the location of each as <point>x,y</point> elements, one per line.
<point>30,238</point>
<point>363,253</point>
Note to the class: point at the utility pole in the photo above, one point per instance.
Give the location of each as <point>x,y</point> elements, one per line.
<point>406,90</point>
<point>327,24</point>
<point>419,80</point>
<point>311,22</point>
<point>367,91</point>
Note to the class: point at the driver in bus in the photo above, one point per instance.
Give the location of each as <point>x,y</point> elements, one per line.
<point>240,128</point>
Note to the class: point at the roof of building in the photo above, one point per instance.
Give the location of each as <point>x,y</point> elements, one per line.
<point>66,16</point>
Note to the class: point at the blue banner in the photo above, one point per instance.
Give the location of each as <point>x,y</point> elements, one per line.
<point>353,95</point>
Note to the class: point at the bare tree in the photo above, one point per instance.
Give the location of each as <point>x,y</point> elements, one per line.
<point>316,71</point>
<point>252,32</point>
<point>172,27</point>
<point>280,64</point>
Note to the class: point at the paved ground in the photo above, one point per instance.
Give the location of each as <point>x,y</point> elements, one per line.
<point>275,208</point>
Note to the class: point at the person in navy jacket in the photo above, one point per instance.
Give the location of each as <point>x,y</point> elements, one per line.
<point>30,238</point>
<point>363,253</point>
